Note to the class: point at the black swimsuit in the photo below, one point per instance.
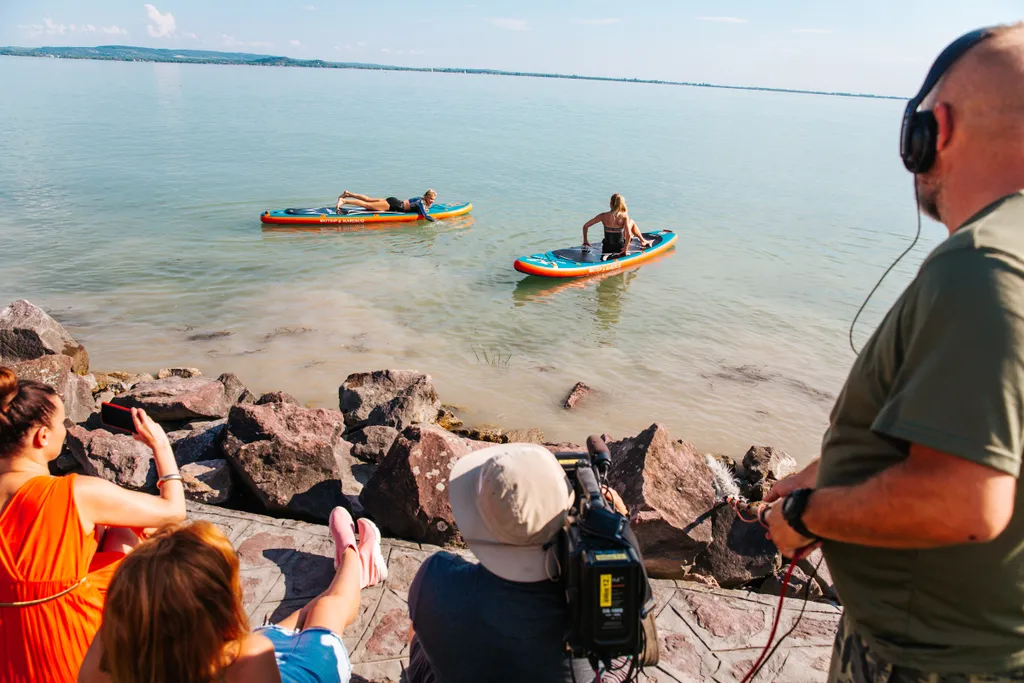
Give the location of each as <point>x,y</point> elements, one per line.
<point>613,242</point>
<point>395,204</point>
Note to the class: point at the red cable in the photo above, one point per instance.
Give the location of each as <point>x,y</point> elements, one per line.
<point>778,614</point>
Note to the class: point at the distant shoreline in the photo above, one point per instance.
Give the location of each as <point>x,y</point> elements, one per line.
<point>124,53</point>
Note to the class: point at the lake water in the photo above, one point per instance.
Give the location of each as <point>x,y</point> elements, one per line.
<point>129,207</point>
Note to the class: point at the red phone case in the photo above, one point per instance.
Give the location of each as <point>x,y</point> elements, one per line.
<point>120,417</point>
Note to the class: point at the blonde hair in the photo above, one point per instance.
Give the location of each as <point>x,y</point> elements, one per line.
<point>430,194</point>
<point>618,203</point>
<point>174,610</point>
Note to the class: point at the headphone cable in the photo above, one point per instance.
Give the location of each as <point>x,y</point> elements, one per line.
<point>888,270</point>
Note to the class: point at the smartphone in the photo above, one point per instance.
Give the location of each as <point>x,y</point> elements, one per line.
<point>117,417</point>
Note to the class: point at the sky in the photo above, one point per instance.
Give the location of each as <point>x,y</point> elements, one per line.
<point>874,46</point>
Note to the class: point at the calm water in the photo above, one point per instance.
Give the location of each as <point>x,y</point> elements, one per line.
<point>130,195</point>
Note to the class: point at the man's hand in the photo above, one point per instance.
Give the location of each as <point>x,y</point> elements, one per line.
<point>786,540</point>
<point>804,479</point>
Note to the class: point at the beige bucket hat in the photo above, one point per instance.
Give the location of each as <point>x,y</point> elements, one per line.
<point>509,501</point>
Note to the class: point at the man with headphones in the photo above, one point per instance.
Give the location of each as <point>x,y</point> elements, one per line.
<point>914,498</point>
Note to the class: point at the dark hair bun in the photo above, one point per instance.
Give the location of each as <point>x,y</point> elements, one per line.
<point>8,388</point>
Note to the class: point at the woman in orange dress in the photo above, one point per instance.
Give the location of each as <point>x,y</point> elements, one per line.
<point>62,537</point>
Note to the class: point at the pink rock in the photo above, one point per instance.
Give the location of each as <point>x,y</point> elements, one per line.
<point>408,494</point>
<point>292,458</point>
<point>27,332</point>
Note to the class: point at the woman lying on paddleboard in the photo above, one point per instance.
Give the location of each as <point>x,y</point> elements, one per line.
<point>619,228</point>
<point>420,205</point>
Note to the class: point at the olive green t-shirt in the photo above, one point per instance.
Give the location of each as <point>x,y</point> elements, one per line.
<point>945,370</point>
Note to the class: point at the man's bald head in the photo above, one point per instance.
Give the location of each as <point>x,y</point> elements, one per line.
<point>979,111</point>
<point>985,87</point>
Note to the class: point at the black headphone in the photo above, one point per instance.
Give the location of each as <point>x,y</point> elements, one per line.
<point>920,129</point>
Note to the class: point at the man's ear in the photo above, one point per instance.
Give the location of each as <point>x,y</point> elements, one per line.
<point>944,124</point>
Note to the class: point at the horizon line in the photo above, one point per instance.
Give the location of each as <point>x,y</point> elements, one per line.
<point>291,62</point>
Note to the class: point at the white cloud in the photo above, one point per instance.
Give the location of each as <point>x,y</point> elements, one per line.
<point>49,27</point>
<point>360,44</point>
<point>599,22</point>
<point>385,49</point>
<point>723,20</point>
<point>231,41</point>
<point>309,8</point>
<point>163,25</point>
<point>295,43</point>
<point>509,24</point>
<point>817,31</point>
<point>191,36</point>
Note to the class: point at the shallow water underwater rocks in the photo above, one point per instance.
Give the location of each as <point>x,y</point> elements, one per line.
<point>27,332</point>
<point>392,398</point>
<point>577,394</point>
<point>408,494</point>
<point>293,459</point>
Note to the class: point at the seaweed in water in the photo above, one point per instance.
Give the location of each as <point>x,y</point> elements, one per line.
<point>207,336</point>
<point>494,358</point>
<point>287,332</point>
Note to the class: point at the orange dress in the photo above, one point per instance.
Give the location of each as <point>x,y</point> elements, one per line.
<point>43,551</point>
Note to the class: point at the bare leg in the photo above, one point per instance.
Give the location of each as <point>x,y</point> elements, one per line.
<point>372,205</point>
<point>338,606</point>
<point>361,197</point>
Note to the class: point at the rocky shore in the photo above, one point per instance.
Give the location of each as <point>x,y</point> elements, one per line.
<point>386,453</point>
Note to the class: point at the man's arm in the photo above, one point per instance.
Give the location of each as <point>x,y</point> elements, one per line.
<point>930,500</point>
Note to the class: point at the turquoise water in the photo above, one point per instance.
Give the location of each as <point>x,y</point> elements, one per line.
<point>130,196</point>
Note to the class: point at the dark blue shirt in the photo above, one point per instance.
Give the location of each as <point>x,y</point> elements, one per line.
<point>474,626</point>
<point>416,204</point>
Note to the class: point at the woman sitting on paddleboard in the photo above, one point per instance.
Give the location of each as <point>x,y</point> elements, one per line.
<point>420,205</point>
<point>619,228</point>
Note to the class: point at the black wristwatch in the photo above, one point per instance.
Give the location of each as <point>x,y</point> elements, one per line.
<point>793,511</point>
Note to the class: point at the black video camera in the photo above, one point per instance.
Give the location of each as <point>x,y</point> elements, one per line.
<point>602,571</point>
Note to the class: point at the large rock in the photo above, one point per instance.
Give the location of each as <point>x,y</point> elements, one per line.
<point>74,389</point>
<point>408,494</point>
<point>762,467</point>
<point>207,481</point>
<point>394,398</point>
<point>373,443</point>
<point>668,490</point>
<point>118,382</point>
<point>293,459</point>
<point>181,399</point>
<point>27,333</point>
<point>740,552</point>
<point>277,397</point>
<point>202,442</point>
<point>115,457</point>
<point>187,373</point>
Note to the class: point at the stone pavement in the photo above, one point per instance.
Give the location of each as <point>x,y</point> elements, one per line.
<point>705,634</point>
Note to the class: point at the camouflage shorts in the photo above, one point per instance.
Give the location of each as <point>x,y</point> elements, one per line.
<point>853,662</point>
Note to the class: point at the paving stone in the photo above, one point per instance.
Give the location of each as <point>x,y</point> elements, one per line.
<point>387,636</point>
<point>705,633</point>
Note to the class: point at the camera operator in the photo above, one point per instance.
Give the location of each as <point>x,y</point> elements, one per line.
<point>506,618</point>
